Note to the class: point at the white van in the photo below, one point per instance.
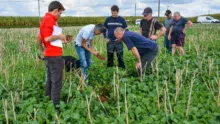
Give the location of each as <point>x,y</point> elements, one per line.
<point>138,22</point>
<point>207,19</point>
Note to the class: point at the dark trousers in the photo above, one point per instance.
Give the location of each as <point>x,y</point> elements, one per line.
<point>147,58</point>
<point>113,47</point>
<point>167,43</point>
<point>54,66</point>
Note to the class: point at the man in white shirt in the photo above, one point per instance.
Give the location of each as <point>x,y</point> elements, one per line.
<point>84,45</point>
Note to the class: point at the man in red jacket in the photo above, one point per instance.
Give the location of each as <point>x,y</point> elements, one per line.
<point>52,38</point>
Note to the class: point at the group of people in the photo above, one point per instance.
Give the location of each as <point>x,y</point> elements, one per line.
<point>115,30</point>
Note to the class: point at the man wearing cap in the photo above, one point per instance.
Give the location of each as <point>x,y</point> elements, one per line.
<point>52,38</point>
<point>167,23</point>
<point>84,46</point>
<point>144,49</point>
<point>178,32</point>
<point>110,24</point>
<point>149,26</point>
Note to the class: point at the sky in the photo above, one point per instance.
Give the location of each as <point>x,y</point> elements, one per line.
<point>187,8</point>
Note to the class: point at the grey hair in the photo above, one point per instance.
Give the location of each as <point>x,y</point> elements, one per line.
<point>119,30</point>
<point>177,13</point>
<point>100,27</point>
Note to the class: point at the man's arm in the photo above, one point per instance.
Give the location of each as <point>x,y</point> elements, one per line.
<point>136,54</point>
<point>105,30</point>
<point>162,32</point>
<point>141,31</point>
<point>124,25</point>
<point>39,42</point>
<point>160,27</point>
<point>91,45</point>
<point>47,32</point>
<point>169,36</point>
<point>189,24</point>
<point>87,48</point>
<point>56,37</point>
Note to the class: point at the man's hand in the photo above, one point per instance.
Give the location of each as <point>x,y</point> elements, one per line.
<point>69,38</point>
<point>153,37</point>
<point>184,31</point>
<point>138,65</point>
<point>95,53</point>
<point>62,37</point>
<point>169,37</point>
<point>107,40</point>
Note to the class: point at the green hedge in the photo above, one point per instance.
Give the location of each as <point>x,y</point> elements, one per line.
<point>19,22</point>
<point>22,22</point>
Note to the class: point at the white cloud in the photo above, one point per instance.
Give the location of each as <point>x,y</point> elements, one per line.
<point>102,8</point>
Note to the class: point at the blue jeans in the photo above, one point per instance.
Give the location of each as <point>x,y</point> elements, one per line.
<point>85,58</point>
<point>167,43</point>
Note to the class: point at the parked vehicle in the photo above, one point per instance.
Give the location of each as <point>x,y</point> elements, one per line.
<point>138,21</point>
<point>207,19</point>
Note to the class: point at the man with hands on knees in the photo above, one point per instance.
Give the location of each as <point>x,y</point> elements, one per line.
<point>145,50</point>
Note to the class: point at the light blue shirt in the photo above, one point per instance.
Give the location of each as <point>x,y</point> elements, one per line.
<point>86,33</point>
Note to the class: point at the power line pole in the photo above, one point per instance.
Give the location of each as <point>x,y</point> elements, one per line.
<point>135,10</point>
<point>158,10</point>
<point>39,7</point>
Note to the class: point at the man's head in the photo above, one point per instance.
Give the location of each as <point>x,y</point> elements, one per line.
<point>168,14</point>
<point>147,13</point>
<point>119,33</point>
<point>177,16</point>
<point>56,9</point>
<point>115,11</point>
<point>99,28</point>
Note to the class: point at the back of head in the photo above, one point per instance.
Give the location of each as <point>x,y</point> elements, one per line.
<point>55,5</point>
<point>100,27</point>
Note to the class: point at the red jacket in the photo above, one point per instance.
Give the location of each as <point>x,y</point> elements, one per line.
<point>46,30</point>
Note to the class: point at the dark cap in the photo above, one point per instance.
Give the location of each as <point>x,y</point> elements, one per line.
<point>147,11</point>
<point>168,12</point>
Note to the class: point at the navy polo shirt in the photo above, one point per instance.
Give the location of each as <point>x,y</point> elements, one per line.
<point>132,39</point>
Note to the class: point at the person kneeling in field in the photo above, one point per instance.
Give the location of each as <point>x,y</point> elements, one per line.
<point>71,63</point>
<point>84,46</point>
<point>178,32</point>
<point>143,49</point>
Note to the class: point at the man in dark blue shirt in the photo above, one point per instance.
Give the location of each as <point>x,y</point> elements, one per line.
<point>111,23</point>
<point>144,49</point>
<point>178,32</point>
